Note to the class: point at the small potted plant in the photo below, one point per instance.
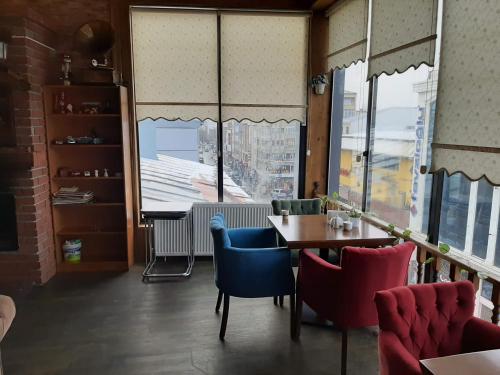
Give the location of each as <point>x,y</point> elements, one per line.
<point>354,217</point>
<point>319,83</point>
<point>333,203</point>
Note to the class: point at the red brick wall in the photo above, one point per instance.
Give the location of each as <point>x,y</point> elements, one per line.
<point>42,31</point>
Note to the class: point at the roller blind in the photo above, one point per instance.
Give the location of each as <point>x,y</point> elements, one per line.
<point>467,130</point>
<point>175,64</point>
<point>348,24</point>
<point>403,34</point>
<point>264,66</point>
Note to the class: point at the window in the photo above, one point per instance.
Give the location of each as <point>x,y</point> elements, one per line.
<point>454,211</point>
<point>261,159</point>
<point>401,135</point>
<point>178,160</point>
<point>218,122</point>
<point>349,123</point>
<point>482,219</point>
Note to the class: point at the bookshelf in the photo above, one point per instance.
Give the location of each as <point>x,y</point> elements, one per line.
<point>104,225</point>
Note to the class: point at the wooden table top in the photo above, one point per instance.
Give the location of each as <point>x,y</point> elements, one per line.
<point>302,231</point>
<point>477,363</point>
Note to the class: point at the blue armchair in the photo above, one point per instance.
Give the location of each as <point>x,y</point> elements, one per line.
<point>249,265</point>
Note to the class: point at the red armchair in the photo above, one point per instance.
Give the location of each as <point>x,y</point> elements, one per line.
<point>344,295</point>
<point>428,321</point>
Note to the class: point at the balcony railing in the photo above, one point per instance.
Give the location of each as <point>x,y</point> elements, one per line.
<point>431,263</point>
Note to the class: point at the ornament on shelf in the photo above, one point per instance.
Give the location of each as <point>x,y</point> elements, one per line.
<point>66,70</point>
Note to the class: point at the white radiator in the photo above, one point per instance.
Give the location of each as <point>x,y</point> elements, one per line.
<point>172,236</point>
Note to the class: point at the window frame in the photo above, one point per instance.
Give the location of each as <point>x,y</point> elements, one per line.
<point>436,195</point>
<point>303,125</point>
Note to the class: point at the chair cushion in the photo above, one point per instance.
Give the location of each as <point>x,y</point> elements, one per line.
<point>7,314</point>
<point>297,206</point>
<point>428,319</point>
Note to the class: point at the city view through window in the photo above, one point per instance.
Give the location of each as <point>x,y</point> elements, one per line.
<point>179,160</point>
<point>400,143</point>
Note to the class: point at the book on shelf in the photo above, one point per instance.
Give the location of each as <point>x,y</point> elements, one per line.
<point>72,195</point>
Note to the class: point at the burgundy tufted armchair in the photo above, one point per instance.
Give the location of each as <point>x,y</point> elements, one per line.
<point>344,295</point>
<point>428,321</point>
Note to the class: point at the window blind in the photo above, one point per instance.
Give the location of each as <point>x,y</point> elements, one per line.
<point>264,66</point>
<point>467,130</point>
<point>348,24</point>
<point>403,34</point>
<point>175,64</point>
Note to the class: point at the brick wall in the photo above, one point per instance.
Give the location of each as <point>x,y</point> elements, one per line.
<point>42,30</point>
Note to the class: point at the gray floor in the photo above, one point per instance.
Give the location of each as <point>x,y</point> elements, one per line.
<point>115,324</point>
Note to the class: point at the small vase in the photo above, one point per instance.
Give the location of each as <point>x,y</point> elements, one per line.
<point>319,88</point>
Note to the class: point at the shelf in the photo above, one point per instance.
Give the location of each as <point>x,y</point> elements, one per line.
<point>90,178</point>
<point>89,231</point>
<point>85,115</point>
<point>103,266</point>
<point>96,86</point>
<point>87,205</point>
<point>76,145</point>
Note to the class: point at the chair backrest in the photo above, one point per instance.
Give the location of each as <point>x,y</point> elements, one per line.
<point>297,206</point>
<point>221,241</point>
<point>428,319</point>
<point>364,272</point>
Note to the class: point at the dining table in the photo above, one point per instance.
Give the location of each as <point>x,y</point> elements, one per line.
<point>478,363</point>
<point>314,231</point>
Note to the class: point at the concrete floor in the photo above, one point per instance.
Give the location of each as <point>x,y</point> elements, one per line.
<point>117,325</point>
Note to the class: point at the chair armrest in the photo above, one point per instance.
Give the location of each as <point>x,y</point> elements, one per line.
<point>480,335</point>
<point>394,358</point>
<point>7,314</point>
<point>252,237</point>
<point>317,273</point>
<point>318,282</point>
<point>262,272</point>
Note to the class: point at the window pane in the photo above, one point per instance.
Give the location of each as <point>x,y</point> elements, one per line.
<point>401,137</point>
<point>353,119</point>
<point>261,160</point>
<point>454,211</point>
<point>483,215</point>
<point>178,160</point>
<point>497,247</point>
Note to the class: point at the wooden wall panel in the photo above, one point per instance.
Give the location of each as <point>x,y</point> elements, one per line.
<point>319,109</point>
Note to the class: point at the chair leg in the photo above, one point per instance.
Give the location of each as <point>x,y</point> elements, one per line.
<point>298,315</point>
<point>219,301</point>
<point>275,300</point>
<point>292,315</point>
<point>225,312</point>
<point>344,352</point>
<point>282,299</point>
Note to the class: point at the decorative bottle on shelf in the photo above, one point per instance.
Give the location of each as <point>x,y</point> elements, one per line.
<point>62,106</point>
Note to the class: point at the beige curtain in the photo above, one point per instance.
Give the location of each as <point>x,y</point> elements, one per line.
<point>264,66</point>
<point>467,130</point>
<point>403,34</point>
<point>174,64</point>
<point>348,24</point>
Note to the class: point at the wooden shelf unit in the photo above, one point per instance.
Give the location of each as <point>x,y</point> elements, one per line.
<point>104,226</point>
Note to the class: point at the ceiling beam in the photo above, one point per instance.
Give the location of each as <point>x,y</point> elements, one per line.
<point>321,5</point>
